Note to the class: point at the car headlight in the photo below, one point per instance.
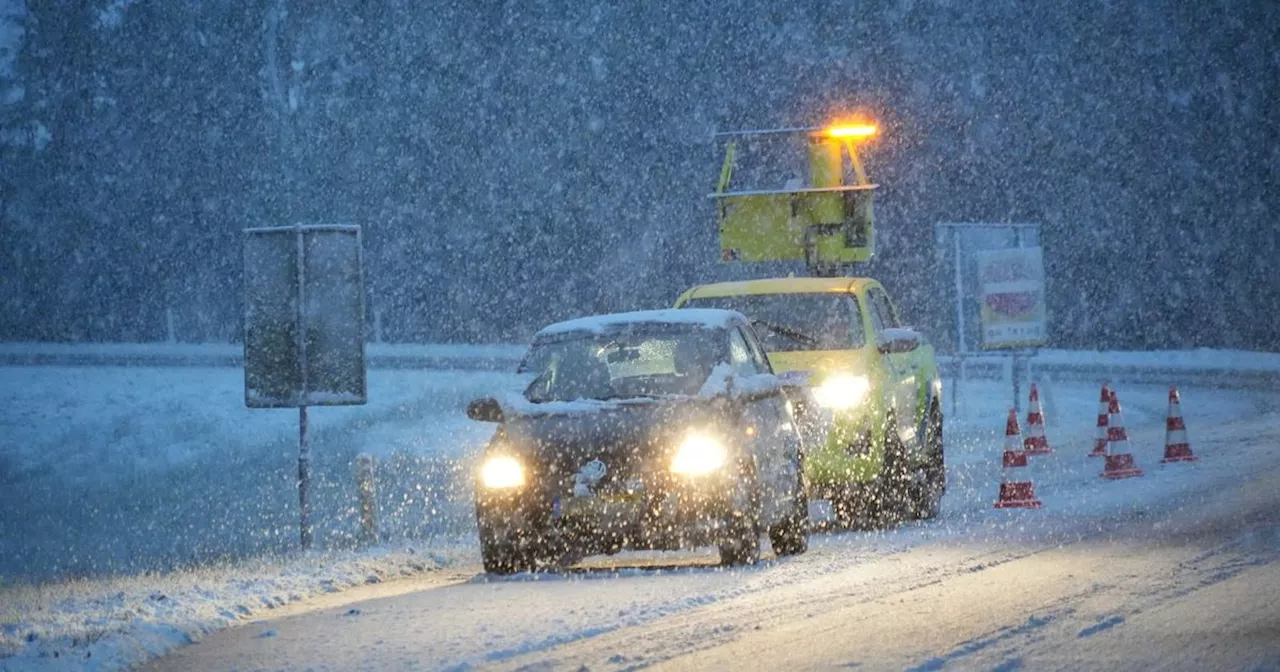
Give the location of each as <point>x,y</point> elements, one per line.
<point>842,391</point>
<point>698,454</point>
<point>501,471</point>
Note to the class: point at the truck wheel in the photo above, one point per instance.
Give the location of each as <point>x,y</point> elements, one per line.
<point>741,543</point>
<point>791,535</point>
<point>858,507</point>
<point>893,497</point>
<point>930,480</point>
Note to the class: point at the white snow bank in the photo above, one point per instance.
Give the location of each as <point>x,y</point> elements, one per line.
<point>235,350</point>
<point>111,470</point>
<point>115,623</point>
<point>91,423</point>
<point>1200,358</point>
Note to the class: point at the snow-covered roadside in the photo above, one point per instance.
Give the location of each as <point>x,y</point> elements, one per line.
<point>615,615</point>
<point>106,471</point>
<point>112,624</point>
<point>418,419</point>
<point>111,477</point>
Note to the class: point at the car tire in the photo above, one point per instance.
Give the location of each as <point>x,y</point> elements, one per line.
<point>741,543</point>
<point>930,482</point>
<point>500,555</point>
<point>505,558</point>
<point>790,536</point>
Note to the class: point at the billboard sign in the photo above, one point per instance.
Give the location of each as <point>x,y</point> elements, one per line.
<point>1013,306</point>
<point>304,317</point>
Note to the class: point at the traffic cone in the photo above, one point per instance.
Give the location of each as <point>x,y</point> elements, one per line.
<point>1119,461</point>
<point>1014,493</point>
<point>1176,447</point>
<point>1100,439</point>
<point>1036,443</point>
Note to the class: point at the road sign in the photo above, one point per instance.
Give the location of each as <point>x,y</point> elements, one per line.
<point>304,317</point>
<point>1013,305</point>
<point>303,328</point>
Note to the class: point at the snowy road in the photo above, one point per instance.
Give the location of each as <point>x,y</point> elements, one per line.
<point>1179,569</point>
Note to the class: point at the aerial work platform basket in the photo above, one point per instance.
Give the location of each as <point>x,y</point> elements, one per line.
<point>828,223</point>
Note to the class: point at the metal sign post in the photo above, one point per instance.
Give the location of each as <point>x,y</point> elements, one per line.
<point>1010,315</point>
<point>304,329</point>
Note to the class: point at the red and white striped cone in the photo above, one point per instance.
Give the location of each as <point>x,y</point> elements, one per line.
<point>1176,446</point>
<point>1035,443</point>
<point>1015,493</point>
<point>1119,460</point>
<point>1100,439</point>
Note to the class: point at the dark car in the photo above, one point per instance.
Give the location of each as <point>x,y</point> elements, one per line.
<point>649,430</point>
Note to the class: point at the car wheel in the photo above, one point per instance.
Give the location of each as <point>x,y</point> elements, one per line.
<point>791,535</point>
<point>930,480</point>
<point>503,555</point>
<point>503,559</point>
<point>741,543</point>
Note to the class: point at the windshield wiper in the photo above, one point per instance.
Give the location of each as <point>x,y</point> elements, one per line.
<point>793,334</point>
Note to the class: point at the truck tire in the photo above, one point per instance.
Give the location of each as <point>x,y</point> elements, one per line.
<point>893,496</point>
<point>930,479</point>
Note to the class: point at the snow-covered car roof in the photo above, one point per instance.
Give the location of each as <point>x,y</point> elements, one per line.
<point>707,317</point>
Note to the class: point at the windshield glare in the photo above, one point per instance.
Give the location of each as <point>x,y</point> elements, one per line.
<point>792,322</point>
<point>640,362</point>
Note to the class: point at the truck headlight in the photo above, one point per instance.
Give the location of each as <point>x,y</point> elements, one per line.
<point>842,391</point>
<point>501,471</point>
<point>698,454</point>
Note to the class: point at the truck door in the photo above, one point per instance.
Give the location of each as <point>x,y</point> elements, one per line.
<point>901,366</point>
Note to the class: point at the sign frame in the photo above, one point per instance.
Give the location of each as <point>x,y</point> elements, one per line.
<point>299,350</point>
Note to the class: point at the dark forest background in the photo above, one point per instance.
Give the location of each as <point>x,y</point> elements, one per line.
<point>514,163</point>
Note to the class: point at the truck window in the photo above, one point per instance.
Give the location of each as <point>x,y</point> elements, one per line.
<point>881,307</point>
<point>796,322</point>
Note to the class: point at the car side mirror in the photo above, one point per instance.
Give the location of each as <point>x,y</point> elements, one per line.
<point>897,340</point>
<point>486,409</point>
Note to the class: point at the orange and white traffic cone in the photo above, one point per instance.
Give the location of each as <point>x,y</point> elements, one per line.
<point>1036,442</point>
<point>1015,493</point>
<point>1100,439</point>
<point>1176,447</point>
<point>1119,460</point>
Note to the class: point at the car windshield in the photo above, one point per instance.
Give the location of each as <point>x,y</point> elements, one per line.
<point>791,322</point>
<point>642,360</point>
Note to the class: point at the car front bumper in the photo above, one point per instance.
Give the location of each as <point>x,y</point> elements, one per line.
<point>683,513</point>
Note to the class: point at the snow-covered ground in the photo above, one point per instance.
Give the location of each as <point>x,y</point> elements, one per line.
<point>110,472</point>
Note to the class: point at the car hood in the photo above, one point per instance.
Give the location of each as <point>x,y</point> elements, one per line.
<point>626,435</point>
